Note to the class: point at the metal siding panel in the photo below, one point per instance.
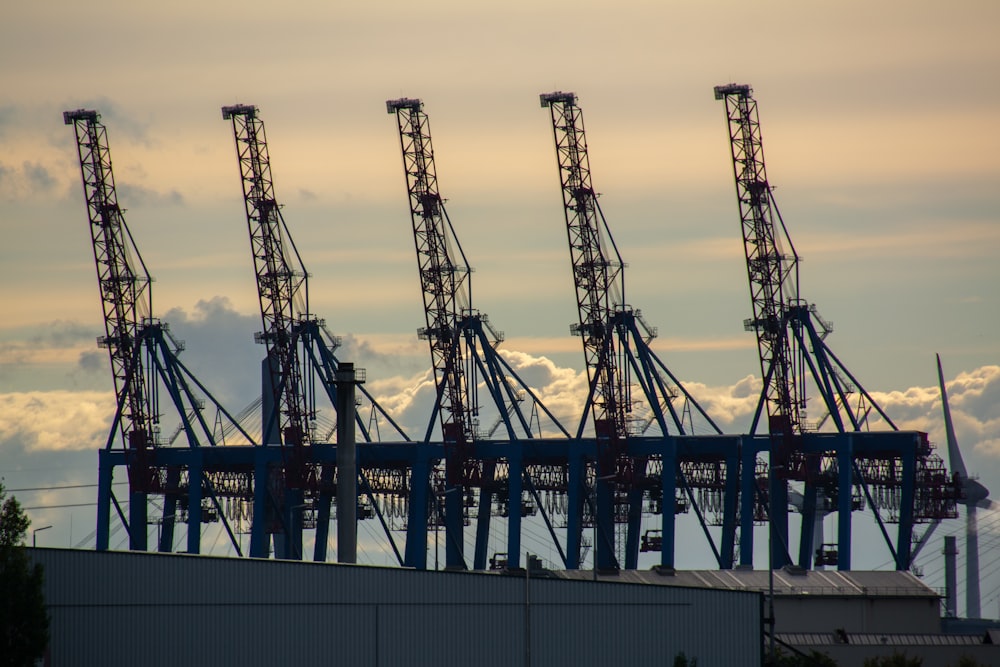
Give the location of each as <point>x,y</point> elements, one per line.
<point>131,608</point>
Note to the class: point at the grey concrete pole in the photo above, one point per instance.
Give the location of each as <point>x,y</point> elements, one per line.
<point>347,475</point>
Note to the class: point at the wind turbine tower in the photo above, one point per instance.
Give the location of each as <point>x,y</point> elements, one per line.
<point>974,495</point>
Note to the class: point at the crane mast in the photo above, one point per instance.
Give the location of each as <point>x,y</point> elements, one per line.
<point>447,297</point>
<point>125,293</point>
<point>772,273</point>
<point>444,282</point>
<point>281,287</point>
<point>597,266</point>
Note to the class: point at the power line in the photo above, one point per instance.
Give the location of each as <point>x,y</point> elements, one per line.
<point>53,507</point>
<point>56,488</point>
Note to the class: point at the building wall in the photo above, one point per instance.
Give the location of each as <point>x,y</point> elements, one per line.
<point>807,613</point>
<point>120,608</point>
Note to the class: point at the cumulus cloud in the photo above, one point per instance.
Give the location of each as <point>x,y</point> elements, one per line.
<point>56,420</point>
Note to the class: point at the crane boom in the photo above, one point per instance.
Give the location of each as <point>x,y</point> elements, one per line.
<point>772,273</point>
<point>597,266</point>
<point>124,283</point>
<point>281,285</point>
<point>444,278</point>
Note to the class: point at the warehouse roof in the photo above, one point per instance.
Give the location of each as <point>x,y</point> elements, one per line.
<point>828,583</point>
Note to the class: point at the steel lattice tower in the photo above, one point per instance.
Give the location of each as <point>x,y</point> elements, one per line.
<point>282,289</point>
<point>597,266</point>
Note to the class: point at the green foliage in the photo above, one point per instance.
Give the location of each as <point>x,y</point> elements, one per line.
<point>24,623</point>
<point>681,660</point>
<point>894,660</point>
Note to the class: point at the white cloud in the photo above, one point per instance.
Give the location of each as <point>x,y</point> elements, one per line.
<point>56,420</point>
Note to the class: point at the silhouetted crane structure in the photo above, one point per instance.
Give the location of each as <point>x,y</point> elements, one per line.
<point>643,445</point>
<point>893,471</point>
<point>144,363</point>
<point>617,353</point>
<point>300,351</point>
<point>463,348</point>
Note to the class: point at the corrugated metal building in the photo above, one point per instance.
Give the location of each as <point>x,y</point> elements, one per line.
<point>130,608</point>
<point>885,601</point>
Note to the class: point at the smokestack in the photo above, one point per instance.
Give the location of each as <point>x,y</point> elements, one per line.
<point>950,592</point>
<point>347,471</point>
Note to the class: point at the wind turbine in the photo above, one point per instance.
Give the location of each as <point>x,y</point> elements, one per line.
<point>974,495</point>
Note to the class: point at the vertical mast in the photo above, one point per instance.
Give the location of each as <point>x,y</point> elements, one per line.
<point>281,286</point>
<point>444,278</point>
<point>597,266</point>
<point>124,283</point>
<point>772,273</point>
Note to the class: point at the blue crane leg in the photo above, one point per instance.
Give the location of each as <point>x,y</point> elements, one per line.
<point>778,505</point>
<point>574,509</point>
<point>808,530</point>
<point>668,519</point>
<point>905,540</point>
<point>748,494</point>
<point>483,520</point>
<point>138,521</point>
<point>105,475</point>
<point>169,510</point>
<point>259,546</point>
<point>194,503</point>
<point>323,513</point>
<point>634,528</point>
<point>294,500</point>
<point>515,486</point>
<point>416,522</point>
<point>730,501</point>
<point>454,527</point>
<point>845,458</point>
<point>604,517</point>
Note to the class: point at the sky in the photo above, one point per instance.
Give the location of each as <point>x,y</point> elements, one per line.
<point>879,133</point>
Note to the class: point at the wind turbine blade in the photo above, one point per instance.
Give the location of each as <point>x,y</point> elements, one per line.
<point>954,455</point>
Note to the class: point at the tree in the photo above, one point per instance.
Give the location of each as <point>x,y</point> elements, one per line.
<point>681,660</point>
<point>24,623</point>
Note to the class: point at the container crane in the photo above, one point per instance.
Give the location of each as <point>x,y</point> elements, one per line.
<point>463,347</point>
<point>299,350</point>
<point>617,354</point>
<point>144,362</point>
<point>893,468</point>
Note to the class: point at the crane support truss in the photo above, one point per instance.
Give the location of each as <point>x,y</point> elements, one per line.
<point>795,362</point>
